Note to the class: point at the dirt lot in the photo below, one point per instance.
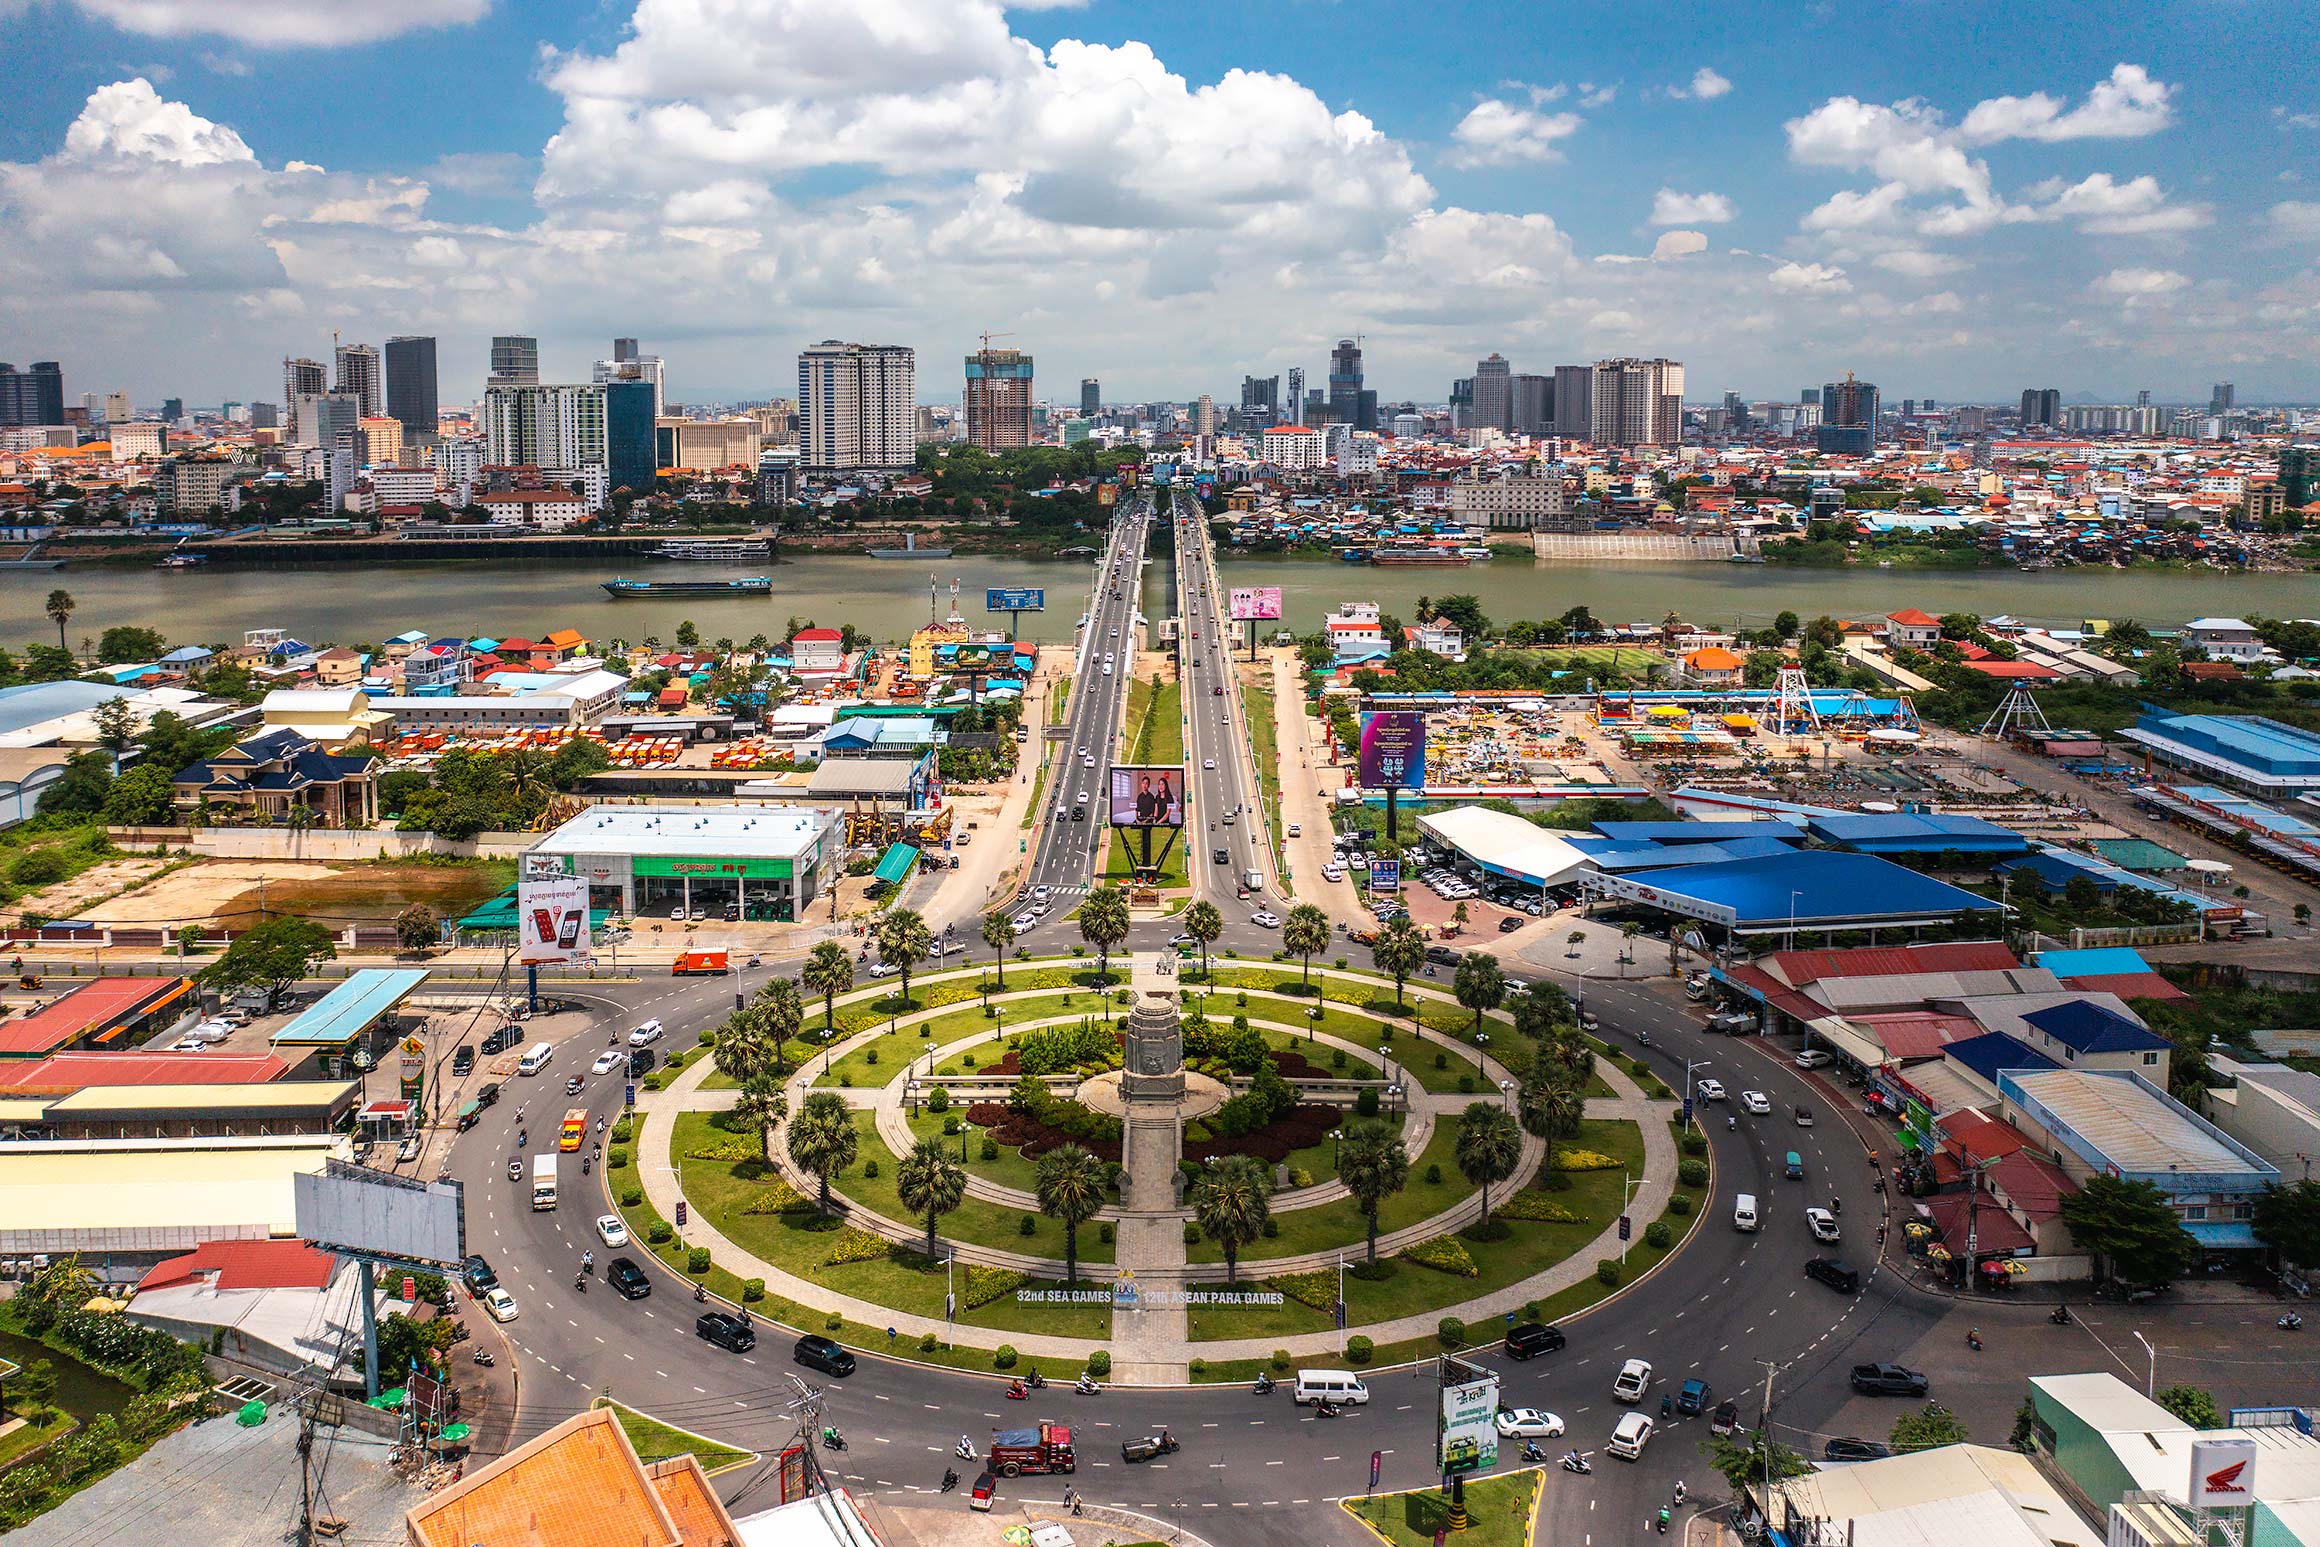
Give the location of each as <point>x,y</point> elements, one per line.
<point>65,899</point>
<point>229,892</point>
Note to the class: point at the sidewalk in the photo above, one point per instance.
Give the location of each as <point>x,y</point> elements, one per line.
<point>1303,737</point>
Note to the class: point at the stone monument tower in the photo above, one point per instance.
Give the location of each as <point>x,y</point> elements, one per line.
<point>1154,1070</point>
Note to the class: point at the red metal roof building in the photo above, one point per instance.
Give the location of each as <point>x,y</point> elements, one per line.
<point>68,1072</point>
<point>1799,968</point>
<point>107,1012</point>
<point>246,1265</point>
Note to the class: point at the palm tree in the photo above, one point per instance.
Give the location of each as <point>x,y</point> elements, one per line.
<point>1548,1106</point>
<point>1103,923</point>
<point>1400,950</point>
<point>1070,1187</point>
<point>783,1011</point>
<point>829,972</point>
<point>1373,1166</point>
<point>1627,933</point>
<point>1575,939</point>
<point>998,934</point>
<point>1488,1147</point>
<point>60,607</point>
<point>929,1182</point>
<point>1203,922</point>
<point>903,941</point>
<point>742,1051</point>
<point>1305,931</point>
<point>1231,1204</point>
<point>1479,985</point>
<point>822,1140</point>
<point>762,1106</point>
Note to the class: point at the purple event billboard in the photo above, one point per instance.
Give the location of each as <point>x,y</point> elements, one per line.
<point>1254,603</point>
<point>1393,749</point>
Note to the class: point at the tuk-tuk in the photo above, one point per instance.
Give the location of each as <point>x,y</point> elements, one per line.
<point>470,1115</point>
<point>1726,1419</point>
<point>980,1496</point>
<point>1150,1445</point>
<point>1795,1167</point>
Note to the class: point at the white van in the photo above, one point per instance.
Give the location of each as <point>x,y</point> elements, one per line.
<point>1338,1386</point>
<point>1744,1212</point>
<point>535,1058</point>
<point>1628,1440</point>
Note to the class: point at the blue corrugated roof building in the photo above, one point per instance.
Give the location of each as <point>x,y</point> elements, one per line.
<point>1916,832</point>
<point>1987,1054</point>
<point>2091,1028</point>
<point>1810,889</point>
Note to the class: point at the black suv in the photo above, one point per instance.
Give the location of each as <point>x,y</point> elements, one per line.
<point>1442,955</point>
<point>487,1093</point>
<point>640,1062</point>
<point>1846,1449</point>
<point>499,1041</point>
<point>477,1275</point>
<point>625,1276</point>
<point>823,1354</point>
<point>1533,1338</point>
<point>1888,1380</point>
<point>727,1331</point>
<point>463,1062</point>
<point>1834,1274</point>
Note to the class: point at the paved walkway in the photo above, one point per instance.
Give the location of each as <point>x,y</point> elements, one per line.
<point>1144,1354</point>
<point>1148,1340</point>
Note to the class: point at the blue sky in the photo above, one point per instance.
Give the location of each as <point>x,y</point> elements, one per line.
<point>1957,204</point>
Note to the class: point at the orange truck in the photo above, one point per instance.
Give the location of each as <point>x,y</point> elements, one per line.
<point>575,1129</point>
<point>700,964</point>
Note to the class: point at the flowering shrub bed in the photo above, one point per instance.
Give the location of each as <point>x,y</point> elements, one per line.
<point>852,1245</point>
<point>1444,1254</point>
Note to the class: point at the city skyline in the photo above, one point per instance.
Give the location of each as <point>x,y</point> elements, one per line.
<point>2118,210</point>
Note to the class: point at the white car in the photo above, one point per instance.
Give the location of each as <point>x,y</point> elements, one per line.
<point>1209,764</point>
<point>1708,1090</point>
<point>189,1045</point>
<point>1296,831</point>
<point>500,1303</point>
<point>1266,920</point>
<point>1040,891</point>
<point>1333,872</point>
<point>1026,920</point>
<point>610,1230</point>
<point>1812,1058</point>
<point>884,970</point>
<point>607,1061</point>
<point>1633,1380</point>
<point>1757,1103</point>
<point>1823,1225</point>
<point>1528,1423</point>
<point>649,1032</point>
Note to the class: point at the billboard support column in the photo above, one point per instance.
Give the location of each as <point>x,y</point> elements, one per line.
<point>1392,791</point>
<point>370,1311</point>
<point>532,986</point>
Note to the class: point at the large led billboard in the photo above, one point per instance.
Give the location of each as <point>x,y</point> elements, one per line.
<point>1393,749</point>
<point>1146,795</point>
<point>1254,603</point>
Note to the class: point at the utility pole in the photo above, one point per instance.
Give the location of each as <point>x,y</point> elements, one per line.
<point>306,1475</point>
<point>1764,1437</point>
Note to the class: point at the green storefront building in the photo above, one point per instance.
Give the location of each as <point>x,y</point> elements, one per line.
<point>757,861</point>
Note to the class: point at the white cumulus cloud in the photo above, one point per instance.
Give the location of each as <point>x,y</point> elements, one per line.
<point>2128,105</point>
<point>1493,133</point>
<point>2135,284</point>
<point>1670,208</point>
<point>286,23</point>
<point>2296,218</point>
<point>131,119</point>
<point>1706,85</point>
<point>1678,244</point>
<point>1820,278</point>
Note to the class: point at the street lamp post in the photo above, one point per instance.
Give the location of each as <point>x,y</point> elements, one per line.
<point>1506,1089</point>
<point>2151,1377</point>
<point>1625,1185</point>
<point>1792,897</point>
<point>964,1130</point>
<point>1336,1147</point>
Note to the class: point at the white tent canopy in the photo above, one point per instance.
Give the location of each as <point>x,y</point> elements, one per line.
<point>1505,844</point>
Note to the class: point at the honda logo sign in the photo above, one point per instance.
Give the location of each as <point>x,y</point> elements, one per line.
<point>2223,1473</point>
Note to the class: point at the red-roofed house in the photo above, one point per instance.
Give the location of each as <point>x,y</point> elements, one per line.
<point>245,1265</point>
<point>68,1072</point>
<point>1911,629</point>
<point>1798,968</point>
<point>818,650</point>
<point>2014,671</point>
<point>103,1013</point>
<point>273,1301</point>
<point>1713,666</point>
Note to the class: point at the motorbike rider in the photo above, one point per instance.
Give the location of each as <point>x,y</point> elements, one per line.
<point>588,1262</point>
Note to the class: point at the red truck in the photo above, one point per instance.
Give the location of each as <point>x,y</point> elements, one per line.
<point>1044,1449</point>
<point>692,963</point>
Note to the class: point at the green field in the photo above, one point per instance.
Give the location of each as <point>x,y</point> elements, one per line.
<point>1498,1509</point>
<point>657,1441</point>
<point>1265,743</point>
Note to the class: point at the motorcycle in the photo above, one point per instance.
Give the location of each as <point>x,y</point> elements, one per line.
<point>1325,1409</point>
<point>2061,1316</point>
<point>1577,1464</point>
<point>1086,1386</point>
<point>584,1163</point>
<point>1663,1519</point>
<point>580,1282</point>
<point>964,1450</point>
<point>1035,1380</point>
<point>1731,1123</point>
<point>1531,1452</point>
<point>832,1439</point>
<point>1264,1386</point>
<point>523,1139</point>
<point>1974,1339</point>
<point>700,1295</point>
<point>950,1479</point>
<point>2290,1323</point>
<point>484,1357</point>
<point>1017,1391</point>
<point>1836,1204</point>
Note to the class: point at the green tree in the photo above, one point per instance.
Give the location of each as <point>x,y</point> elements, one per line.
<point>2129,1226</point>
<point>1746,1460</point>
<point>761,1107</point>
<point>903,941</point>
<point>34,1385</point>
<point>1398,951</point>
<point>1488,1147</point>
<point>1231,1203</point>
<point>272,956</point>
<point>126,642</point>
<point>782,1010</point>
<point>998,934</point>
<point>575,760</point>
<point>1548,1106</point>
<point>1572,941</point>
<point>1785,624</point>
<point>930,1184</point>
<point>829,972</point>
<point>81,789</point>
<point>1935,1426</point>
<point>141,797</point>
<point>1070,1186</point>
<point>1103,924</point>
<point>2193,1405</point>
<point>1373,1165</point>
<point>823,1140</point>
<point>1479,984</point>
<point>1305,931</point>
<point>60,607</point>
<point>116,725</point>
<point>1204,922</point>
<point>416,927</point>
<point>2287,1219</point>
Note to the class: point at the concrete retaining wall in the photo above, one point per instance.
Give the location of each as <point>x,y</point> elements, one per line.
<point>1602,547</point>
<point>314,843</point>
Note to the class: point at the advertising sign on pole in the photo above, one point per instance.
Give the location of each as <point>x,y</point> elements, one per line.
<point>1146,795</point>
<point>1254,603</point>
<point>551,918</point>
<point>1385,875</point>
<point>1468,1432</point>
<point>1015,599</point>
<point>2223,1473</point>
<point>414,1070</point>
<point>1393,749</point>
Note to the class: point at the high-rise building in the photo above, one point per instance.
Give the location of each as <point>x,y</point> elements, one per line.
<point>1848,417</point>
<point>1461,404</point>
<point>382,441</point>
<point>324,418</point>
<point>1204,416</point>
<point>1534,406</point>
<point>1261,392</point>
<point>1575,401</point>
<point>515,361</point>
<point>34,396</point>
<point>1493,394</point>
<point>2299,475</point>
<point>1810,395</point>
<point>1293,403</point>
<point>998,399</point>
<point>2143,398</point>
<point>628,365</point>
<point>1091,397</point>
<point>1637,402</point>
<point>559,425</point>
<point>2041,405</point>
<point>411,379</point>
<point>1349,403</point>
<point>302,379</point>
<point>857,406</point>
<point>361,375</point>
<point>265,416</point>
<point>2221,397</point>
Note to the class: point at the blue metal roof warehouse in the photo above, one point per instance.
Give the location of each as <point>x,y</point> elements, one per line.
<point>2249,751</point>
<point>1813,889</point>
<point>1916,832</point>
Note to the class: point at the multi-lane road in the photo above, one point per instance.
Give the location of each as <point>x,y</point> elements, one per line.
<point>1225,818</point>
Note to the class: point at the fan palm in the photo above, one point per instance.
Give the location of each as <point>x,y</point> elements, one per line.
<point>1070,1186</point>
<point>930,1183</point>
<point>1231,1205</point>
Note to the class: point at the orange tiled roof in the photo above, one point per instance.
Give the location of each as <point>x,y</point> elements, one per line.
<point>578,1485</point>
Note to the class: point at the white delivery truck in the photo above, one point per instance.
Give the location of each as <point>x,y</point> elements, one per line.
<point>543,1181</point>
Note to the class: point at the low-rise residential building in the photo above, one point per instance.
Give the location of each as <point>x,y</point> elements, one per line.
<point>1512,502</point>
<point>273,777</point>
<point>544,510</point>
<point>2226,639</point>
<point>1910,629</point>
